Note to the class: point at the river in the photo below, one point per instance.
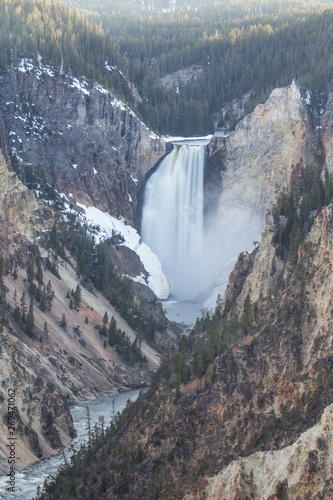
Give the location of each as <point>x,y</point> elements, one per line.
<point>28,479</point>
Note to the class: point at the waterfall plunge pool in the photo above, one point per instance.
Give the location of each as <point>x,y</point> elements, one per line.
<point>196,246</point>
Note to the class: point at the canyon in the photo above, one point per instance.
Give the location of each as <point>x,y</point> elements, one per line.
<point>96,153</point>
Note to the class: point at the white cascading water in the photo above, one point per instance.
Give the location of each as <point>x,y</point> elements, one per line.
<point>172,218</point>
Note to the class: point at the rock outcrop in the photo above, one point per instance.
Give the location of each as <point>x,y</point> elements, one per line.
<point>254,162</point>
<point>302,470</point>
<point>89,144</point>
<point>21,215</point>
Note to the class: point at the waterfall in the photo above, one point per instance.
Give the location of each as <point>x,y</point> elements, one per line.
<point>172,218</point>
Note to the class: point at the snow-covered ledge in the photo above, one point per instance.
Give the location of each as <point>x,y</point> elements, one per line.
<point>107,226</point>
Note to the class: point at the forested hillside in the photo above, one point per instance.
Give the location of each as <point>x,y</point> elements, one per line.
<point>230,48</point>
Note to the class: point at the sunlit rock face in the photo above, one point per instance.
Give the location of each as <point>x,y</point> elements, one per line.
<point>248,167</point>
<point>255,160</point>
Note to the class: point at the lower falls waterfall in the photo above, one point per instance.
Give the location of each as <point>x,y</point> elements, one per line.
<point>197,249</point>
<point>173,218</point>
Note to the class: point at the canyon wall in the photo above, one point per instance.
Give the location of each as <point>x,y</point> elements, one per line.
<point>90,145</point>
<point>254,162</point>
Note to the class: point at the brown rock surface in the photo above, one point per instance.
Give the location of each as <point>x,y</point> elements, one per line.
<point>90,145</point>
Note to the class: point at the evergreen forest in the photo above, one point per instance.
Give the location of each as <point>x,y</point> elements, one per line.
<point>187,63</point>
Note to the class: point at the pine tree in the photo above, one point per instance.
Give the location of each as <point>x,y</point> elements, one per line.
<point>39,275</point>
<point>77,297</point>
<point>63,322</point>
<point>105,318</point>
<point>112,331</point>
<point>23,310</point>
<point>42,299</point>
<point>49,294</point>
<point>30,323</point>
<point>31,270</point>
<point>88,418</point>
<point>45,329</point>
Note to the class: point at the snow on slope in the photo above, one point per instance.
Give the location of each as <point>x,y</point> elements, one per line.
<point>157,281</point>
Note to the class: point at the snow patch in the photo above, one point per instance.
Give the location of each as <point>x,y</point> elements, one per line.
<point>108,225</point>
<point>101,89</point>
<point>134,180</point>
<point>25,65</point>
<point>140,279</point>
<point>64,196</point>
<point>80,85</point>
<point>307,98</point>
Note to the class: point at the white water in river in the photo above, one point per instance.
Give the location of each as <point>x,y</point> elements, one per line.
<point>172,218</point>
<point>28,480</point>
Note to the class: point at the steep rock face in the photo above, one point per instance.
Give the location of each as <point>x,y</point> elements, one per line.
<point>325,127</point>
<point>55,366</point>
<point>293,387</point>
<point>21,215</point>
<point>90,145</point>
<point>255,161</point>
<point>299,471</point>
<point>42,419</point>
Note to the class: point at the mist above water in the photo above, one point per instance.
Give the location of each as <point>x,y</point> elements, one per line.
<point>193,247</point>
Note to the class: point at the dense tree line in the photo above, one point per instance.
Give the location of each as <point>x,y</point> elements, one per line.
<point>236,47</point>
<point>64,38</point>
<point>297,207</point>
